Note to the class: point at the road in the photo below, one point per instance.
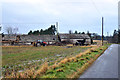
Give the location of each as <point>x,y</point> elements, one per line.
<point>106,66</point>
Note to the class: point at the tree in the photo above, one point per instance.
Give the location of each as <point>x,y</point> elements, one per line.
<point>79,33</point>
<point>53,29</point>
<point>3,35</point>
<point>41,31</point>
<point>89,34</point>
<point>29,33</point>
<point>70,31</point>
<point>9,30</point>
<point>35,33</point>
<point>115,32</point>
<point>76,32</point>
<point>115,37</point>
<point>50,31</point>
<point>83,32</point>
<point>15,30</point>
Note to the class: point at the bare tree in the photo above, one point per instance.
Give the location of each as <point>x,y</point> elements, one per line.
<point>15,30</point>
<point>11,31</point>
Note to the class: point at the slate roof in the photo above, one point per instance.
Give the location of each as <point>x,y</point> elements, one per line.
<point>74,36</point>
<point>6,37</point>
<point>32,38</point>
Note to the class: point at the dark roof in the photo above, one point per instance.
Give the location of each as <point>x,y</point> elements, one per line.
<point>38,37</point>
<point>11,37</point>
<point>74,36</point>
<point>31,38</point>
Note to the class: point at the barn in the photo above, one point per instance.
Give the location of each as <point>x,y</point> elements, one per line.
<point>76,38</point>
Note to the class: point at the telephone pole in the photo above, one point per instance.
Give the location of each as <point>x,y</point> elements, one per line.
<point>57,27</point>
<point>107,33</point>
<point>102,29</point>
<point>57,30</point>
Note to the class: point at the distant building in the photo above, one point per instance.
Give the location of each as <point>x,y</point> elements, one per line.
<point>76,38</point>
<point>50,39</point>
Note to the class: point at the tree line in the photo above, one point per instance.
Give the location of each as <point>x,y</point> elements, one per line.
<point>76,32</point>
<point>50,31</point>
<point>116,37</point>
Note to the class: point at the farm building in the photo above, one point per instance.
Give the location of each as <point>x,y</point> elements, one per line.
<point>50,39</point>
<point>27,39</point>
<point>73,38</point>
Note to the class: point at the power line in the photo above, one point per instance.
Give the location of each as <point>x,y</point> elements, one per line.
<point>96,8</point>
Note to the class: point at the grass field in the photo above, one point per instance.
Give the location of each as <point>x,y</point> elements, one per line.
<point>49,61</point>
<point>19,59</point>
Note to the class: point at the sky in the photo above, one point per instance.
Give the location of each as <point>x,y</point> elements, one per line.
<point>80,15</point>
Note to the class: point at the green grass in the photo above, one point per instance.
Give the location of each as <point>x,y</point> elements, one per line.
<point>72,67</point>
<point>14,58</point>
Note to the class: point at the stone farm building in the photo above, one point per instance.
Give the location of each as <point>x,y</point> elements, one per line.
<point>50,39</point>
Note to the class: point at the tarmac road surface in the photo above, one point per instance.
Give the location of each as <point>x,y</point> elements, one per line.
<point>106,66</point>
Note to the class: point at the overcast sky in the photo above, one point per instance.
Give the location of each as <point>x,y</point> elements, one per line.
<point>80,15</point>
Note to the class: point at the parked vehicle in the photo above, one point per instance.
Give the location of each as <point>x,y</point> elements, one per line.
<point>39,43</point>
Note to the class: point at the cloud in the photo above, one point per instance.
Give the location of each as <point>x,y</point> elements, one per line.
<point>75,14</point>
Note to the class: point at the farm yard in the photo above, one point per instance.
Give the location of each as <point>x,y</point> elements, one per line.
<point>47,62</point>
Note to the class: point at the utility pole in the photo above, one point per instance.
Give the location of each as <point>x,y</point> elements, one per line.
<point>107,33</point>
<point>57,30</point>
<point>57,27</point>
<point>102,29</point>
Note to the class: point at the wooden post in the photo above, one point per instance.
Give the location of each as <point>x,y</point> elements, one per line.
<point>102,29</point>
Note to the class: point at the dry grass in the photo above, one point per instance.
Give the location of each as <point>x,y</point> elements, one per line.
<point>99,42</point>
<point>41,71</point>
<point>60,70</point>
<point>72,59</point>
<point>81,70</point>
<point>64,61</point>
<point>26,74</point>
<point>32,73</point>
<point>54,66</point>
<point>86,65</point>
